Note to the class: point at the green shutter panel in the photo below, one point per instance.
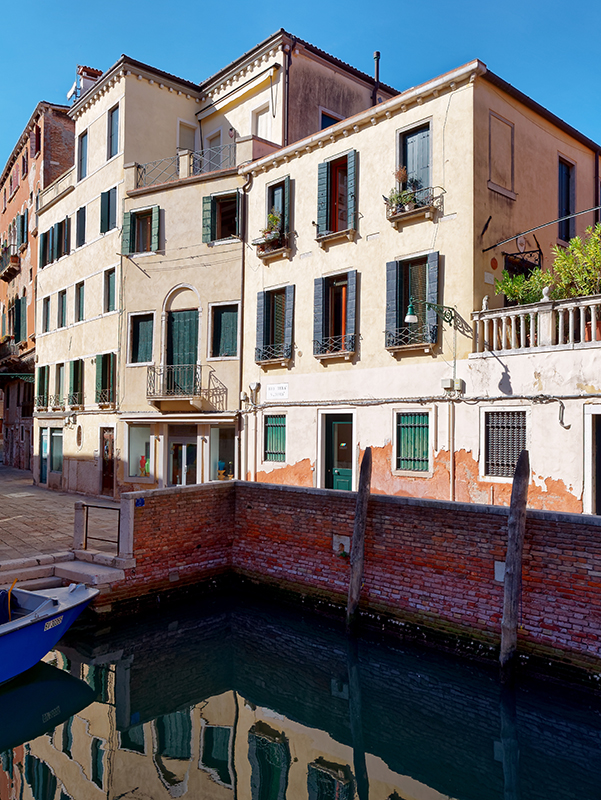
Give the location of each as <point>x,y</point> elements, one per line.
<point>19,230</point>
<point>104,212</point>
<point>41,245</point>
<point>72,367</point>
<point>81,227</point>
<point>23,319</point>
<point>26,226</point>
<point>50,246</point>
<point>3,323</point>
<point>111,291</point>
<point>126,238</point>
<point>288,321</point>
<point>393,312</point>
<point>207,219</point>
<point>228,332</point>
<point>154,230</point>
<point>112,217</point>
<point>319,321</point>
<point>56,237</point>
<point>239,214</point>
<point>99,374</point>
<point>323,197</point>
<point>351,306</point>
<point>110,378</point>
<point>17,320</point>
<point>286,211</point>
<point>67,235</point>
<point>432,297</point>
<point>352,186</point>
<point>261,301</point>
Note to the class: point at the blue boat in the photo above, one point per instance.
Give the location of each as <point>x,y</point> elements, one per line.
<point>37,621</point>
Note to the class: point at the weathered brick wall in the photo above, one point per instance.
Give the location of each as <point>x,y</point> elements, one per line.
<point>427,562</point>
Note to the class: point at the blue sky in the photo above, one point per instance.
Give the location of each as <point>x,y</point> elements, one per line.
<point>549,50</point>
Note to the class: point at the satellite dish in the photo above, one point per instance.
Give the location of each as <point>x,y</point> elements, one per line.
<point>72,91</point>
<point>521,244</point>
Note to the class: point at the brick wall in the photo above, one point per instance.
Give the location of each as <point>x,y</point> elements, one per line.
<point>427,562</point>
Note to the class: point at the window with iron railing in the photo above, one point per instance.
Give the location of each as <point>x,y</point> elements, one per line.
<point>505,438</point>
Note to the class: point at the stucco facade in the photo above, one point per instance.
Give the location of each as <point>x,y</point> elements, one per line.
<point>371,379</point>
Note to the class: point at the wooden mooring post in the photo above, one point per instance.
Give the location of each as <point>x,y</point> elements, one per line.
<point>358,542</point>
<point>516,527</point>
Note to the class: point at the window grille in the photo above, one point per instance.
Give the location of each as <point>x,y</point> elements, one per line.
<point>505,440</point>
<point>412,431</point>
<point>275,438</point>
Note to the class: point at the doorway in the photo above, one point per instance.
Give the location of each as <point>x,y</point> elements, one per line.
<point>182,352</point>
<point>43,455</point>
<point>183,455</point>
<point>339,452</point>
<point>107,441</point>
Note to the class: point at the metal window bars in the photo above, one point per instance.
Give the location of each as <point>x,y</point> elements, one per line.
<point>408,335</point>
<point>334,344</point>
<point>273,352</point>
<point>505,440</point>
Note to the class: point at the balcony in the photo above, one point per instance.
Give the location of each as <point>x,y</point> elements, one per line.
<point>186,165</point>
<point>334,346</point>
<point>10,263</point>
<point>417,204</point>
<point>9,349</point>
<point>171,382</point>
<point>61,186</point>
<point>41,402</point>
<point>272,245</point>
<point>271,353</point>
<point>549,325</point>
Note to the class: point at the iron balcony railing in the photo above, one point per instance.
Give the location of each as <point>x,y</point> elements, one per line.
<point>155,172</point>
<point>212,159</point>
<point>75,398</point>
<point>175,380</point>
<point>8,349</point>
<point>9,261</point>
<point>41,401</point>
<point>273,352</point>
<point>429,197</point>
<point>105,396</point>
<point>331,345</point>
<point>57,401</point>
<point>407,335</point>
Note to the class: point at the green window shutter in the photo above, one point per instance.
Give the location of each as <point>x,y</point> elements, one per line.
<point>67,236</point>
<point>351,303</point>
<point>319,315</point>
<point>99,377</point>
<point>126,234</point>
<point>154,233</point>
<point>412,443</point>
<point>286,210</point>
<point>289,320</point>
<point>17,320</point>
<point>239,213</point>
<point>275,438</point>
<point>19,230</point>
<point>72,368</point>
<point>56,241</point>
<point>42,246</point>
<point>261,338</point>
<point>3,323</point>
<point>352,185</point>
<point>323,197</point>
<point>81,227</point>
<point>23,319</point>
<point>416,158</point>
<point>50,258</point>
<point>26,226</point>
<point>110,287</point>
<point>142,331</point>
<point>207,219</point>
<point>110,378</point>
<point>393,311</point>
<point>277,313</point>
<point>112,216</point>
<point>182,337</point>
<point>225,331</point>
<point>432,296</point>
<point>104,211</point>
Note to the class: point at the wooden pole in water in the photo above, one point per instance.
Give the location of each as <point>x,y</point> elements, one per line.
<point>516,526</point>
<point>358,543</point>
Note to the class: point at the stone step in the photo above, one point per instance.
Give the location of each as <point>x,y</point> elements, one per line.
<point>24,574</point>
<point>39,583</point>
<point>89,573</point>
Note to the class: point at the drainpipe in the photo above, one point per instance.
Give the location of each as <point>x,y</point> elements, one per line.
<point>374,94</point>
<point>245,189</point>
<point>451,432</point>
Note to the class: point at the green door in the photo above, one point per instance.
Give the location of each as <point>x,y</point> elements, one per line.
<point>339,451</point>
<point>182,352</point>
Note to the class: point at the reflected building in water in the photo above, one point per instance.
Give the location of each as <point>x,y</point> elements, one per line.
<point>237,704</point>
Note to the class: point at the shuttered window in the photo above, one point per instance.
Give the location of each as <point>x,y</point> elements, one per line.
<point>141,230</point>
<point>108,210</point>
<point>109,290</point>
<point>505,438</point>
<point>275,315</point>
<point>337,194</point>
<point>81,227</point>
<point>412,280</point>
<point>56,449</point>
<point>224,341</point>
<point>61,320</point>
<point>221,217</point>
<point>113,132</point>
<point>45,315</point>
<point>76,382</point>
<point>275,438</point>
<point>82,156</point>
<point>141,338</point>
<point>334,314</point>
<point>412,441</point>
<point>415,149</point>
<point>105,378</point>
<point>79,302</point>
<point>42,395</point>
<point>566,202</point>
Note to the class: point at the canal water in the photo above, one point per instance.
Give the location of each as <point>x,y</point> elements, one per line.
<point>240,699</point>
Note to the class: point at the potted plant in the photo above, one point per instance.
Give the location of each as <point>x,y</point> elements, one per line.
<point>272,231</point>
<point>403,199</point>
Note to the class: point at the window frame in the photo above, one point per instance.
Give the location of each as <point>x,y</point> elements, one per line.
<point>129,238</point>
<point>393,331</point>
<point>61,309</point>
<point>484,411</point>
<point>54,435</point>
<point>210,226</point>
<point>108,210</point>
<point>430,412</point>
<point>79,314</point>
<point>130,343</point>
<point>562,160</point>
<point>325,194</point>
<point>82,156</point>
<point>211,310</point>
<point>265,326</point>
<point>333,115</point>
<point>106,291</point>
<point>80,226</point>
<point>76,379</point>
<point>149,477</point>
<point>45,326</point>
<point>323,344</point>
<point>281,453</point>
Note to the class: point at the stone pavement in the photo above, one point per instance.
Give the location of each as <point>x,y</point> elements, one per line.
<point>35,521</point>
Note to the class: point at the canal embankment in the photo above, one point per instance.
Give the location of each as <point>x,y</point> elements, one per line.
<point>431,564</point>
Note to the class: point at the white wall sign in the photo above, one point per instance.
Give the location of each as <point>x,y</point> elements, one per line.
<point>276,391</point>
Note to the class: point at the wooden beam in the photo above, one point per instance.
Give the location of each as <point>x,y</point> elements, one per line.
<point>516,526</point>
<point>358,542</point>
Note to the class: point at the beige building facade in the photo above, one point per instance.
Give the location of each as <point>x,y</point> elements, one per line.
<point>363,311</point>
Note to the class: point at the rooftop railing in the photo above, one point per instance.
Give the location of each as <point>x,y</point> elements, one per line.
<point>186,164</point>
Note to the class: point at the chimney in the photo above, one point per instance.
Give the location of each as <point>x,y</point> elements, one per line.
<point>87,78</point>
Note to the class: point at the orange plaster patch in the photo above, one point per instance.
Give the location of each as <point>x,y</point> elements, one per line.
<point>299,474</point>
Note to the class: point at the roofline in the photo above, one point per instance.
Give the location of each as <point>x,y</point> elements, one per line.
<point>126,61</point>
<point>43,104</point>
<point>509,89</point>
<point>469,70</point>
<point>280,35</point>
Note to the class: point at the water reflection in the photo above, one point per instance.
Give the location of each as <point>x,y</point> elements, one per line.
<point>233,701</point>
